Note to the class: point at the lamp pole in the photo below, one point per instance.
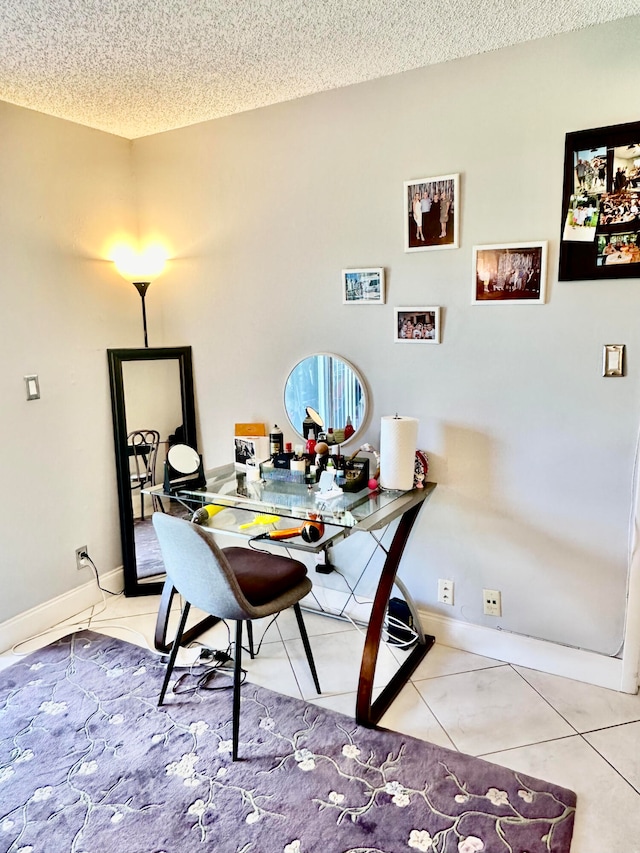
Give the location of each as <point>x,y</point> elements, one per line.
<point>142,287</point>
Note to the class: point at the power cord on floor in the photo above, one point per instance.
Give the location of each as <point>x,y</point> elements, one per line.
<point>390,623</point>
<point>218,664</point>
<point>82,624</point>
<point>85,556</point>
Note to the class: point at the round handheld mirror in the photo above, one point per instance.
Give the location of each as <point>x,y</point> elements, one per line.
<point>183,459</point>
<point>315,417</point>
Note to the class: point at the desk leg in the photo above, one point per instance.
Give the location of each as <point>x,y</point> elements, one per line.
<point>368,713</point>
<point>162,622</point>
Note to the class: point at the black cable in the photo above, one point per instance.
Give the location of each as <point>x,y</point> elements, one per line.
<point>366,566</point>
<point>85,556</point>
<point>203,681</point>
<point>256,652</point>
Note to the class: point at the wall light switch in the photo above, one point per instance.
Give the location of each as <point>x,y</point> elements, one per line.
<point>33,387</point>
<point>613,360</point>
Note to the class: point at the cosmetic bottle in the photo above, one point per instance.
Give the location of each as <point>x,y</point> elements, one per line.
<point>348,429</point>
<point>311,443</point>
<point>276,441</point>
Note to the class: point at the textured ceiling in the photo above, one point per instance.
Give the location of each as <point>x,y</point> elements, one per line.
<point>135,67</point>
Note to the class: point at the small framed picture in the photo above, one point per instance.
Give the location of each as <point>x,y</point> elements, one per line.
<point>510,273</point>
<point>250,448</point>
<point>363,286</point>
<point>417,325</point>
<point>431,213</point>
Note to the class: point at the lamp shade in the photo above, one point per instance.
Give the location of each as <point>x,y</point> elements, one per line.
<point>140,267</point>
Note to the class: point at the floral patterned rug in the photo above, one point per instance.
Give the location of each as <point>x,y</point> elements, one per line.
<point>90,764</point>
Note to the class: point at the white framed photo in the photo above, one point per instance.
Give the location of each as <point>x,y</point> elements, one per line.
<point>432,213</point>
<point>363,286</point>
<point>417,325</point>
<point>510,274</point>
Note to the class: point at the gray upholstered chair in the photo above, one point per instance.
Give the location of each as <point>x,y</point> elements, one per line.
<point>231,583</point>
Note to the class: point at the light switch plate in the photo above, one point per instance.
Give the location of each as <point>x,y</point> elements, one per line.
<point>33,387</point>
<point>613,360</point>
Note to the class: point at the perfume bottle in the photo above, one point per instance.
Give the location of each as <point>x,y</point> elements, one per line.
<point>311,443</point>
<point>348,429</point>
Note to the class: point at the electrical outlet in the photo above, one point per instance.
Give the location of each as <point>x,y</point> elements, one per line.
<point>492,599</point>
<point>445,591</point>
<point>81,557</point>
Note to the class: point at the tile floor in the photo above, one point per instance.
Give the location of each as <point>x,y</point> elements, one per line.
<point>583,737</point>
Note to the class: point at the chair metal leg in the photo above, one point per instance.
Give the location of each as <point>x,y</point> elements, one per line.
<point>250,638</point>
<point>141,502</point>
<point>305,643</point>
<point>174,651</point>
<point>237,677</point>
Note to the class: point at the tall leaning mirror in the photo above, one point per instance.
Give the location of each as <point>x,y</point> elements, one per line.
<point>153,409</point>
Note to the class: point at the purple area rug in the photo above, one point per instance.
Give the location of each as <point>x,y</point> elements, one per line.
<point>90,764</point>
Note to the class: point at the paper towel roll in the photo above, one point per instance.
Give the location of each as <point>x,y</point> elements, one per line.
<point>398,442</point>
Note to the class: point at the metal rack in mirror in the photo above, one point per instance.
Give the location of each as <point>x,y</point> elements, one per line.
<point>330,386</point>
<point>151,397</point>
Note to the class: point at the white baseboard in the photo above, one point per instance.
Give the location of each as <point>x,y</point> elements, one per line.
<point>541,655</point>
<point>65,606</point>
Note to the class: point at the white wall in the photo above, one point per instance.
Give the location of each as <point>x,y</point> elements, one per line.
<point>65,192</point>
<point>532,449</point>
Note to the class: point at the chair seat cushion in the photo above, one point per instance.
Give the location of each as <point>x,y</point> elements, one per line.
<point>263,577</point>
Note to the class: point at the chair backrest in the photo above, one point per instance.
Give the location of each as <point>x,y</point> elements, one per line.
<point>143,449</point>
<point>198,568</point>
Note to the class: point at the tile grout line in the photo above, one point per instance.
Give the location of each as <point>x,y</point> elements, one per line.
<point>544,698</point>
<point>435,717</point>
<point>612,766</point>
<point>461,672</point>
<point>580,734</point>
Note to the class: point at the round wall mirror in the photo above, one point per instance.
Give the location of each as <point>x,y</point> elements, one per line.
<point>330,388</point>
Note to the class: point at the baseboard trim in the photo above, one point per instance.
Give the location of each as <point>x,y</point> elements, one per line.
<point>541,655</point>
<point>578,664</point>
<point>65,606</point>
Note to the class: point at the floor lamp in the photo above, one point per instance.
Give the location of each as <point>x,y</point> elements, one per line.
<point>140,270</point>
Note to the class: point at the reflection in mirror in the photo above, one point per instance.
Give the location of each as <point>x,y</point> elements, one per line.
<point>153,410</point>
<point>331,387</point>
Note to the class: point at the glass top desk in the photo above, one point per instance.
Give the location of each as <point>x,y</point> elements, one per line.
<point>362,511</point>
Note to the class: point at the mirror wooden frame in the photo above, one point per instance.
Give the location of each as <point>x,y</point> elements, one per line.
<point>117,358</point>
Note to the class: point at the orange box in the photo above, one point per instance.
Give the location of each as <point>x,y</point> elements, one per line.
<point>251,429</point>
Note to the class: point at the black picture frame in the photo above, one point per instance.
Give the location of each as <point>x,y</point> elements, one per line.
<point>584,259</point>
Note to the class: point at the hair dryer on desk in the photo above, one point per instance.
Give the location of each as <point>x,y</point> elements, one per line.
<point>202,515</point>
<point>311,531</point>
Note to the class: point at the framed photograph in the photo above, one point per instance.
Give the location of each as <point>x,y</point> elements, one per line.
<point>431,213</point>
<point>417,325</point>
<point>363,287</point>
<point>510,273</point>
<point>601,204</point>
<point>250,448</point>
